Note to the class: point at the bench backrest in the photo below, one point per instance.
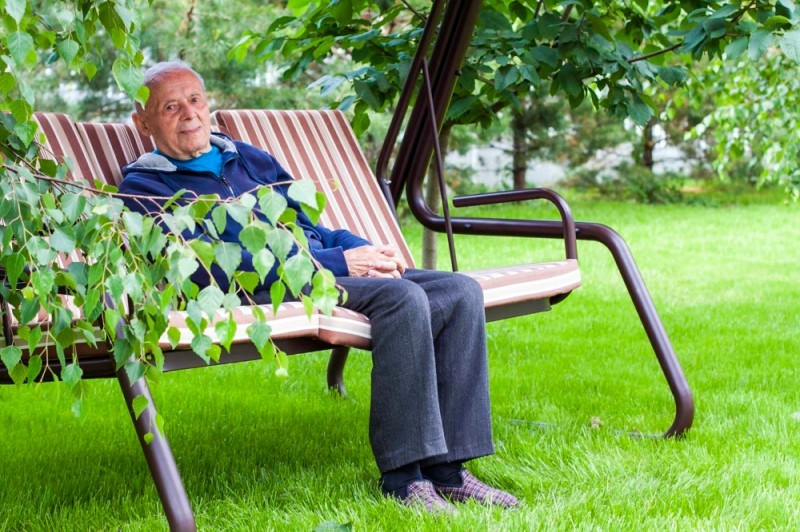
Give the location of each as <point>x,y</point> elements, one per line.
<point>317,145</point>
<point>62,142</point>
<point>112,146</point>
<point>320,145</point>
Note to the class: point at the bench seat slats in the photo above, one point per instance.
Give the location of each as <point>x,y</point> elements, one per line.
<point>512,284</point>
<point>343,327</point>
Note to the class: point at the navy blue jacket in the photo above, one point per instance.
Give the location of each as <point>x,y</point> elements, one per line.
<point>245,168</point>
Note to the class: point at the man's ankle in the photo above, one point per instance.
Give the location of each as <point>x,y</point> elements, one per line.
<point>444,474</point>
<point>395,482</point>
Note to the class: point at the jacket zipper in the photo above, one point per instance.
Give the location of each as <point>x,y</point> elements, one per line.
<point>227,184</point>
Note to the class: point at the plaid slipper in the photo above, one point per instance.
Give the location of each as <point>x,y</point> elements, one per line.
<point>422,494</point>
<point>473,489</point>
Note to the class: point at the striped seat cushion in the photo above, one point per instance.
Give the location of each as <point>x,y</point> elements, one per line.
<point>514,285</point>
<point>342,327</point>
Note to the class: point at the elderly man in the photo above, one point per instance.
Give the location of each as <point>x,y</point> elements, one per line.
<point>429,409</point>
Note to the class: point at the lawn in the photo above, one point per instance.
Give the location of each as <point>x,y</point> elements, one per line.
<point>259,452</point>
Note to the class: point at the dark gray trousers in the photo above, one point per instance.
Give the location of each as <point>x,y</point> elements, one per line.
<point>430,391</point>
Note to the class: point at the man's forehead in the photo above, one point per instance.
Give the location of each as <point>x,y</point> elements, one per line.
<point>175,84</point>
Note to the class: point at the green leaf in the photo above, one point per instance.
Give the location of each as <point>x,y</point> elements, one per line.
<point>201,343</point>
<point>790,44</point>
<point>16,8</point>
<point>297,272</point>
<point>276,294</point>
<point>68,50</point>
<point>135,370</point>
<point>28,310</point>
<point>128,76</point>
<point>303,192</point>
<point>174,335</point>
<point>140,403</point>
<point>11,356</point>
<point>71,374</point>
<point>226,330</point>
<point>263,261</point>
<point>20,44</point>
<point>280,243</point>
<point>272,204</point>
<point>254,238</point>
<point>672,75</point>
<point>239,212</point>
<point>638,111</point>
<point>133,223</point>
<point>63,239</point>
<point>26,131</point>
<point>505,77</point>
<point>73,205</point>
<point>342,11</point>
<point>111,319</point>
<point>736,48</point>
<point>210,300</point>
<point>777,21</point>
<point>259,333</point>
<point>220,217</point>
<point>365,91</point>
<point>43,281</point>
<point>34,367</point>
<point>14,265</point>
<point>760,40</point>
<point>7,82</point>
<point>247,280</point>
<point>325,293</point>
<point>186,267</point>
<point>133,283</point>
<point>204,251</point>
<point>283,364</point>
<point>228,256</point>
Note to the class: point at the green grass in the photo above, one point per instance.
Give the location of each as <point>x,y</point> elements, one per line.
<point>260,453</point>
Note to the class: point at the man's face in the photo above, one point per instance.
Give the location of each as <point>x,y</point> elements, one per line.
<point>176,115</point>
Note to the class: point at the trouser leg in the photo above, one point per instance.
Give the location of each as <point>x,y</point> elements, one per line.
<point>458,326</point>
<point>429,380</point>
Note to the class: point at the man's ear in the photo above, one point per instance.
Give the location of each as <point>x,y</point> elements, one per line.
<point>140,123</point>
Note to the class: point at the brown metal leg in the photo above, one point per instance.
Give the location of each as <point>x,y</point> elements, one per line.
<point>336,369</point>
<point>684,404</point>
<point>159,457</point>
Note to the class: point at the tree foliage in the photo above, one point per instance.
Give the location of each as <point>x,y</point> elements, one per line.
<point>124,274</point>
<point>753,121</point>
<point>615,54</point>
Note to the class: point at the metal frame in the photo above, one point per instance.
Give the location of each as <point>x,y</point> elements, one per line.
<point>419,144</point>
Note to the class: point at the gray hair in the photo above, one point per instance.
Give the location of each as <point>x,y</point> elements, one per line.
<point>152,74</point>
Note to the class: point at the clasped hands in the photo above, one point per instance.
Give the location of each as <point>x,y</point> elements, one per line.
<point>375,261</point>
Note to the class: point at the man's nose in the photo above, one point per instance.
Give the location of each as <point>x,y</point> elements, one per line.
<point>185,110</point>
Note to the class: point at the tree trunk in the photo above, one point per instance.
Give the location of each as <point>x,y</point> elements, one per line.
<point>648,145</point>
<point>434,200</point>
<point>519,154</point>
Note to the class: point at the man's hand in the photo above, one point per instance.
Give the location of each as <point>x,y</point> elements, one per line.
<point>375,261</point>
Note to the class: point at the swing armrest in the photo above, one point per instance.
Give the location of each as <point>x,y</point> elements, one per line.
<point>529,194</point>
